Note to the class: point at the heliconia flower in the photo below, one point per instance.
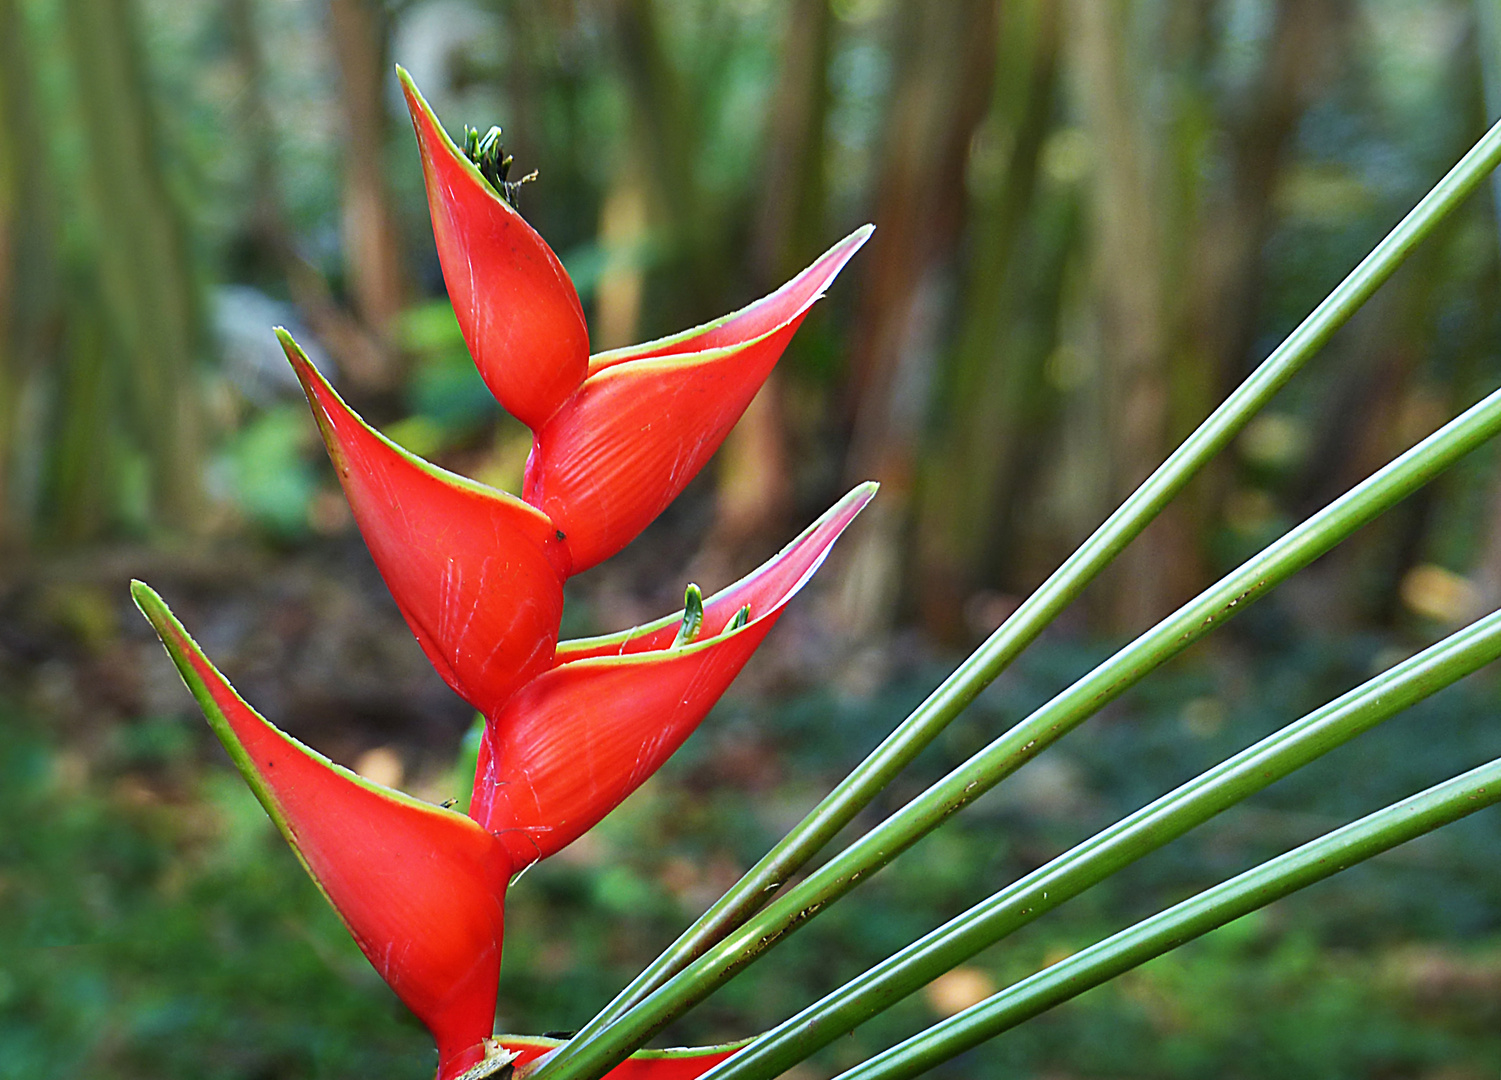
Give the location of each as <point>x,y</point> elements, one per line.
<point>421,888</point>
<point>478,574</point>
<point>616,436</point>
<point>576,740</point>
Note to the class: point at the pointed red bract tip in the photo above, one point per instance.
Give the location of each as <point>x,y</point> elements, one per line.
<point>421,888</point>
<point>678,1063</point>
<point>477,574</point>
<point>516,305</point>
<point>648,418</point>
<point>578,739</point>
<point>753,320</point>
<point>764,589</point>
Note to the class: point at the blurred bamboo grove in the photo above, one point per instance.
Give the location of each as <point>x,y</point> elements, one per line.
<point>1092,220</point>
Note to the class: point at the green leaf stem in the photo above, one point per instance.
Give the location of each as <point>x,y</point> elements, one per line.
<point>1088,863</point>
<point>1212,908</point>
<point>699,964</point>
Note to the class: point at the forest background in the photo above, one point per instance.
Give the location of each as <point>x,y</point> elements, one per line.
<point>1092,221</point>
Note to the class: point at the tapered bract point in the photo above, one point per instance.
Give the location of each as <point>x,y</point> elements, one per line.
<point>516,306</point>
<point>578,739</point>
<point>477,574</point>
<point>385,861</point>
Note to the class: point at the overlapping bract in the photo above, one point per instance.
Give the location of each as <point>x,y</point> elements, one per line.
<point>616,436</point>
<point>572,728</point>
<point>477,574</point>
<point>517,307</point>
<point>576,740</point>
<point>421,887</point>
<point>647,419</point>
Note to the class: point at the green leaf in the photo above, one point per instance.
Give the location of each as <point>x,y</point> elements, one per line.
<point>1216,605</point>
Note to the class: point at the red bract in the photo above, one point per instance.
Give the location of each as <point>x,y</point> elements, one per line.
<point>421,888</point>
<point>616,436</point>
<point>647,419</point>
<point>576,740</point>
<point>477,574</point>
<point>517,307</point>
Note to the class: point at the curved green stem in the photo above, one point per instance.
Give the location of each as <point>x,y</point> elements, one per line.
<point>1087,864</point>
<point>1183,922</point>
<point>1031,736</point>
<point>872,775</point>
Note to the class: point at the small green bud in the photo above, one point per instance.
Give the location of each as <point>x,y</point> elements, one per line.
<point>739,619</point>
<point>494,164</point>
<point>693,616</point>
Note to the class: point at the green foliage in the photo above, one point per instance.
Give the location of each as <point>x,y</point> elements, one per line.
<point>153,925</point>
<point>183,936</point>
<point>271,471</point>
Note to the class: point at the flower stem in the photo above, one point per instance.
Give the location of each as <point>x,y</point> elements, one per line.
<point>1229,596</point>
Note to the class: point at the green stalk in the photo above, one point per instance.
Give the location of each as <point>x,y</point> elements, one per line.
<point>1005,755</point>
<point>872,775</point>
<point>1183,922</point>
<point>1087,864</point>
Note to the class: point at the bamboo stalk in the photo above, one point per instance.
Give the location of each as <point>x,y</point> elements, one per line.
<point>146,280</point>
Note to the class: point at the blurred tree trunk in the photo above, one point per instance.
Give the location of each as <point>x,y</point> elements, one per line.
<point>790,218</point>
<point>353,343</point>
<point>1488,53</point>
<point>27,262</point>
<point>1230,224</point>
<point>753,496</point>
<point>83,470</point>
<point>1177,262</point>
<point>665,114</point>
<point>945,57</point>
<point>372,238</point>
<point>622,234</point>
<point>1386,397</point>
<point>1307,44</point>
<point>265,218</point>
<point>992,401</point>
<point>1129,279</point>
<point>147,287</point>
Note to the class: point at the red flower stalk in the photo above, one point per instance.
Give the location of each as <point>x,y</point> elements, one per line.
<point>421,888</point>
<point>576,740</point>
<point>616,436</point>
